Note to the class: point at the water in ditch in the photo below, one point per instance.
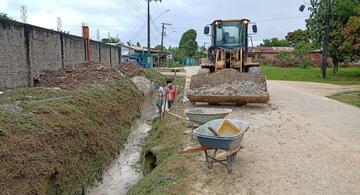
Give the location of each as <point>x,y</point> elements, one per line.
<point>124,171</point>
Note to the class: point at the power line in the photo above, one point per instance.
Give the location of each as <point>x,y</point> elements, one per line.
<point>278,19</point>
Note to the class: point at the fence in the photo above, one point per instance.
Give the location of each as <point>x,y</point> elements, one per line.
<point>27,50</point>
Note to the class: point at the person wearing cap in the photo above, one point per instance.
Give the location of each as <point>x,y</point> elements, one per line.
<point>171,95</point>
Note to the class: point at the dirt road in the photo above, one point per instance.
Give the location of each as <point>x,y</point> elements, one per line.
<point>303,143</point>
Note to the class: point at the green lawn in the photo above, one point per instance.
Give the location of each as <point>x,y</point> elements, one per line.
<point>345,76</point>
<point>352,97</point>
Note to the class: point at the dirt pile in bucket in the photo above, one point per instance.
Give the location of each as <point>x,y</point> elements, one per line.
<point>235,88</point>
<point>78,75</point>
<point>228,82</point>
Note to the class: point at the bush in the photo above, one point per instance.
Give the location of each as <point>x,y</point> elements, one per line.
<point>285,58</point>
<point>301,49</point>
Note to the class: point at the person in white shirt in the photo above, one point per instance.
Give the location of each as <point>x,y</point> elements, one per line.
<point>159,101</point>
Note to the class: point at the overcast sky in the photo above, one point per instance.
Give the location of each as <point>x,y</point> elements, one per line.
<point>127,18</point>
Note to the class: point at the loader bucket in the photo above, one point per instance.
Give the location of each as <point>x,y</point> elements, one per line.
<point>228,86</point>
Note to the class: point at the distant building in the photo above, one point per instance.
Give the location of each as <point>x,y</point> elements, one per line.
<point>139,55</point>
<point>268,55</point>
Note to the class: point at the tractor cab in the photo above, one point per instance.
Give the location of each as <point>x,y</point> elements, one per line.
<point>229,34</point>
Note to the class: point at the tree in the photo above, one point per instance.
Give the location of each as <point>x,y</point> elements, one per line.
<point>298,36</point>
<point>300,51</point>
<point>158,47</point>
<point>138,44</point>
<point>275,42</point>
<point>188,44</point>
<point>110,40</point>
<point>343,10</point>
<point>5,16</point>
<point>351,44</point>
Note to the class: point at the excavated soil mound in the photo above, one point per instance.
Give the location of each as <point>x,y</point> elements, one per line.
<point>142,83</point>
<point>132,69</point>
<point>78,75</point>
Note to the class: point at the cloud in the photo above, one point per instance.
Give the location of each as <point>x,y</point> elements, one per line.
<point>127,18</point>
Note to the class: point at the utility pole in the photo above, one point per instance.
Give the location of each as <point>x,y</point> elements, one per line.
<point>326,37</point>
<point>148,29</point>
<point>326,40</point>
<point>163,34</point>
<point>162,37</point>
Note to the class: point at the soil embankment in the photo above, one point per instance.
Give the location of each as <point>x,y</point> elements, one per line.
<point>59,137</point>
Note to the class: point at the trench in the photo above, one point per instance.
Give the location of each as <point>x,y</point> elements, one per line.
<point>124,171</point>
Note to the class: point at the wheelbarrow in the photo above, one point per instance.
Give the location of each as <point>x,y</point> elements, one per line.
<point>204,115</point>
<point>227,137</point>
<point>200,116</point>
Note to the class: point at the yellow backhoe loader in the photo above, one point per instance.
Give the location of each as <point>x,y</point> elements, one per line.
<point>228,74</point>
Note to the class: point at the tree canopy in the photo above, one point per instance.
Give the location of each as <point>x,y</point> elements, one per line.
<point>345,28</point>
<point>188,44</point>
<point>110,40</point>
<point>275,42</point>
<point>159,47</point>
<point>298,36</point>
<point>5,16</point>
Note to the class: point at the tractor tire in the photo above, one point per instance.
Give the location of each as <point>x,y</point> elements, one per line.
<point>255,70</point>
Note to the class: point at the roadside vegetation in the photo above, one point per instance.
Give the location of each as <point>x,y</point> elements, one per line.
<point>345,76</point>
<point>350,97</point>
<point>59,140</point>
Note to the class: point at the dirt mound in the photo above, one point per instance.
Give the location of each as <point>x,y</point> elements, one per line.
<point>132,69</point>
<point>142,83</point>
<point>78,75</point>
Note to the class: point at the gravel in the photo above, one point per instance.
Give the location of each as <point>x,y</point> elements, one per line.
<point>235,88</point>
<point>142,83</point>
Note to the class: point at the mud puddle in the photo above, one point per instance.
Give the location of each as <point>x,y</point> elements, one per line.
<point>123,173</point>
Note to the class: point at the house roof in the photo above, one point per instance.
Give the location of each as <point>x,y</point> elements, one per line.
<point>272,50</point>
<point>153,50</point>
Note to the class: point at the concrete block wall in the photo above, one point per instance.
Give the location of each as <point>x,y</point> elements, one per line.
<point>105,54</point>
<point>95,51</point>
<point>45,50</point>
<point>27,50</point>
<point>74,49</point>
<point>13,62</point>
<point>115,56</point>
